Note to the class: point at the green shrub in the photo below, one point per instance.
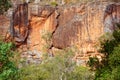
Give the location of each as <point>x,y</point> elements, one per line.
<point>109,67</point>
<point>46,36</point>
<point>54,3</point>
<point>4,5</point>
<point>59,67</point>
<point>81,73</point>
<point>8,70</point>
<point>93,62</point>
<point>52,68</point>
<point>116,73</point>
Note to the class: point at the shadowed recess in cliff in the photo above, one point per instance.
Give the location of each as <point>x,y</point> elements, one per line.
<point>19,23</point>
<point>111,17</point>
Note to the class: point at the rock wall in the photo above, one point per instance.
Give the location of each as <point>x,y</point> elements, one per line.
<point>111,17</point>
<point>4,26</point>
<point>45,20</point>
<point>70,25</point>
<point>78,25</point>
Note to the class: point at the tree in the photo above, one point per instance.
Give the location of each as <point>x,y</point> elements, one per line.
<point>8,70</point>
<point>4,5</point>
<point>109,67</point>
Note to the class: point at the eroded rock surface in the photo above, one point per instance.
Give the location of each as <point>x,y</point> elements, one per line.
<point>78,25</point>
<point>4,25</point>
<point>40,23</point>
<point>111,17</point>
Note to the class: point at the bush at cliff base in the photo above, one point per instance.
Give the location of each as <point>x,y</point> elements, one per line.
<point>109,67</point>
<point>8,70</point>
<point>59,67</point>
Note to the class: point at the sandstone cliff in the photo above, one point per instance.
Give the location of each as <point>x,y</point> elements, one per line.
<point>75,24</point>
<point>78,25</point>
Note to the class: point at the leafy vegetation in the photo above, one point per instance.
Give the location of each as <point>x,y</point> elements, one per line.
<point>4,5</point>
<point>47,37</point>
<point>8,70</point>
<point>54,3</point>
<point>109,67</point>
<point>59,67</point>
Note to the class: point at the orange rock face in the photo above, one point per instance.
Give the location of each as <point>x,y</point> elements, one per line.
<point>111,17</point>
<point>82,25</point>
<point>78,25</point>
<point>4,25</point>
<point>46,22</point>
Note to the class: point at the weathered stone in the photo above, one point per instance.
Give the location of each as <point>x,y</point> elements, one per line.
<point>4,25</point>
<point>78,25</point>
<point>19,23</point>
<point>85,24</point>
<point>80,62</point>
<point>36,57</point>
<point>24,55</point>
<point>45,21</point>
<point>29,56</point>
<point>29,52</point>
<point>41,11</point>
<point>36,1</point>
<point>111,17</point>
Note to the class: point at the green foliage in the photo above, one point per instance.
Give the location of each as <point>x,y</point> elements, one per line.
<point>52,71</point>
<point>47,37</point>
<point>52,68</point>
<point>106,37</point>
<point>59,67</point>
<point>114,58</point>
<point>116,73</point>
<point>8,70</point>
<point>34,72</point>
<point>4,5</point>
<point>116,35</point>
<point>109,67</point>
<point>54,3</point>
<point>93,62</point>
<point>81,73</point>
